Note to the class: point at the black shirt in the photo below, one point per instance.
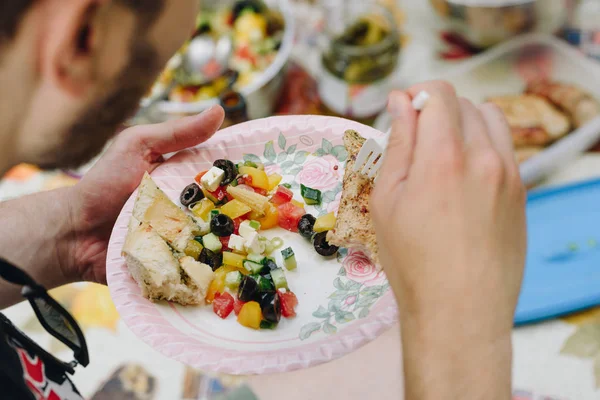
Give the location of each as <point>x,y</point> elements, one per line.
<point>27,372</point>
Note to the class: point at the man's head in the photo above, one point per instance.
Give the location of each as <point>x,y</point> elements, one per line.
<point>72,70</point>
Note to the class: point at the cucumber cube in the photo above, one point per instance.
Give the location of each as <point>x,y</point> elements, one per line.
<point>233,280</point>
<point>254,268</point>
<point>212,243</point>
<point>256,258</point>
<point>279,279</point>
<point>289,259</point>
<point>311,196</point>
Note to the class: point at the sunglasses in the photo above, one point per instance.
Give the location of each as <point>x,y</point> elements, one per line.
<point>55,319</point>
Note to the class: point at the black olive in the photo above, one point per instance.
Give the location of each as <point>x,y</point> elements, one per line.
<point>191,194</point>
<point>230,169</point>
<point>232,76</point>
<point>221,225</point>
<point>306,225</point>
<point>270,306</point>
<point>243,5</point>
<point>271,264</point>
<point>213,260</point>
<point>322,246</point>
<point>248,289</point>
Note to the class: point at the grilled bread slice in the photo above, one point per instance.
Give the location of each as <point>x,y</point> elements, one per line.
<point>354,227</point>
<point>154,267</point>
<point>153,207</point>
<point>533,120</point>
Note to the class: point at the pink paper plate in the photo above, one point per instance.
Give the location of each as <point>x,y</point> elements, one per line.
<point>344,302</point>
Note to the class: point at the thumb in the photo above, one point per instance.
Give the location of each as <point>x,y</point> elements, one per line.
<point>179,134</point>
<point>401,144</point>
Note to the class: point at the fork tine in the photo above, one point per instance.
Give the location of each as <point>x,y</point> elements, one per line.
<point>375,168</point>
<point>370,162</point>
<point>365,152</point>
<point>363,156</point>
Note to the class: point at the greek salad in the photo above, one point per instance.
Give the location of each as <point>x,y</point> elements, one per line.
<point>234,204</point>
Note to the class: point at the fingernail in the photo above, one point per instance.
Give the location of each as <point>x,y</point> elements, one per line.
<point>395,105</point>
<point>420,100</point>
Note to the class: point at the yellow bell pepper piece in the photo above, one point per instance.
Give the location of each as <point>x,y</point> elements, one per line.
<point>235,209</point>
<point>216,286</point>
<point>203,208</point>
<point>218,283</point>
<point>193,249</point>
<point>269,220</point>
<point>274,180</point>
<point>250,315</point>
<point>259,178</point>
<point>234,260</point>
<point>325,223</point>
<point>250,27</point>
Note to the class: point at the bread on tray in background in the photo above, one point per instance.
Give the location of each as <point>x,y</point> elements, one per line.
<point>158,234</point>
<point>544,114</point>
<point>533,120</point>
<point>579,105</point>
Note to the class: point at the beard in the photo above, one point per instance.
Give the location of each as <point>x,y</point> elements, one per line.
<point>88,135</point>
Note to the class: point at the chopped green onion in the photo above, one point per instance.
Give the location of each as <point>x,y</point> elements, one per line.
<point>273,245</point>
<point>255,225</point>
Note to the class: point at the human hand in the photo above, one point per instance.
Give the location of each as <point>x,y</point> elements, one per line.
<point>449,212</point>
<point>97,200</point>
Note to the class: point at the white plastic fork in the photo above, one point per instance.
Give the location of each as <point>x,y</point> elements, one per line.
<point>372,152</point>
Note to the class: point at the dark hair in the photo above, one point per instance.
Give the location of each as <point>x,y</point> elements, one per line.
<point>12,12</point>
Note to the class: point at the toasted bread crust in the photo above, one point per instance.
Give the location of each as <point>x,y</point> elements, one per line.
<point>354,227</point>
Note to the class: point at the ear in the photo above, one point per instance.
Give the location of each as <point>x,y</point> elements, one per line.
<point>70,50</point>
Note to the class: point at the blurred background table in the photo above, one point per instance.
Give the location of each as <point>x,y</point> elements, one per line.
<point>553,360</point>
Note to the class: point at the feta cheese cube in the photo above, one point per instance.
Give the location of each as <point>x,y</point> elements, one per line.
<point>236,243</point>
<point>247,228</point>
<point>212,179</point>
<point>254,245</point>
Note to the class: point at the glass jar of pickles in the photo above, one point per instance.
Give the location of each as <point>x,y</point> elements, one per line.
<point>360,54</point>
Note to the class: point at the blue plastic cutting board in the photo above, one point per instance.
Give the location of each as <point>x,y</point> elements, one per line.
<point>562,273</point>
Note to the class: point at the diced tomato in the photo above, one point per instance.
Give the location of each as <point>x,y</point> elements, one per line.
<point>237,306</point>
<point>223,304</point>
<point>262,192</point>
<point>289,216</point>
<point>282,195</point>
<point>247,180</point>
<point>244,52</point>
<point>236,225</point>
<point>199,177</point>
<point>288,301</point>
<point>225,242</point>
<point>220,193</point>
